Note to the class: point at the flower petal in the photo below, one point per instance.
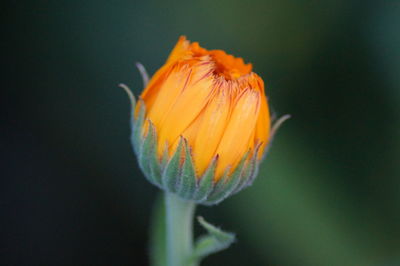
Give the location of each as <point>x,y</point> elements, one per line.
<point>211,129</point>
<point>235,142</point>
<point>186,106</point>
<point>262,127</point>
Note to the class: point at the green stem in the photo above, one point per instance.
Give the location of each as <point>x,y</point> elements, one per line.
<point>179,223</point>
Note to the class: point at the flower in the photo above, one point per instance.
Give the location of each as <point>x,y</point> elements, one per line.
<point>202,124</point>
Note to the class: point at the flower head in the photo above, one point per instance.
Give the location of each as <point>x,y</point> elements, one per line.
<point>202,124</point>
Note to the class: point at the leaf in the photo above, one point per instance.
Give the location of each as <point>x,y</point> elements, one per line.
<point>216,240</point>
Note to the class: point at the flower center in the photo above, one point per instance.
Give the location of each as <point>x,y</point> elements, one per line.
<point>226,65</point>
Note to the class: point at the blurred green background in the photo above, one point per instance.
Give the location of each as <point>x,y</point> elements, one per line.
<point>328,192</point>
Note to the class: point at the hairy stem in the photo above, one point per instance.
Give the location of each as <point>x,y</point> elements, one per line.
<point>179,225</point>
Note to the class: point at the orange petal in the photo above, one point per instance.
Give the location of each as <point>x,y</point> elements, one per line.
<point>235,142</point>
<point>211,129</point>
<point>167,94</point>
<point>187,106</point>
<point>180,50</point>
<point>262,126</point>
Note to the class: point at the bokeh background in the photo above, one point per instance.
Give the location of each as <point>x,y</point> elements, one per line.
<point>328,192</point>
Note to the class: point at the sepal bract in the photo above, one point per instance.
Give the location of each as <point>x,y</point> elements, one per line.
<point>177,173</point>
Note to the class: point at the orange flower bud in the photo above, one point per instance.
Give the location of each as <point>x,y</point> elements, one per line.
<point>211,99</point>
<point>208,108</point>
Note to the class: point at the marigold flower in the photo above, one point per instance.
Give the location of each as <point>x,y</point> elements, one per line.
<point>202,124</point>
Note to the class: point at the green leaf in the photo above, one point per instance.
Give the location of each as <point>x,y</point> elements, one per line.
<point>216,240</point>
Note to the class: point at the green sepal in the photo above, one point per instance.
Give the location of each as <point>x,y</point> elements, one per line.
<point>246,174</point>
<point>177,174</point>
<point>215,241</point>
<point>172,170</point>
<point>219,185</point>
<point>187,179</point>
<point>228,184</point>
<point>255,163</point>
<point>154,163</point>
<point>249,171</point>
<point>164,159</point>
<point>131,99</point>
<point>137,124</point>
<point>206,182</point>
<point>147,161</point>
<point>143,73</point>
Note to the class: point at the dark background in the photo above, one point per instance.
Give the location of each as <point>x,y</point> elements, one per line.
<point>328,193</point>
